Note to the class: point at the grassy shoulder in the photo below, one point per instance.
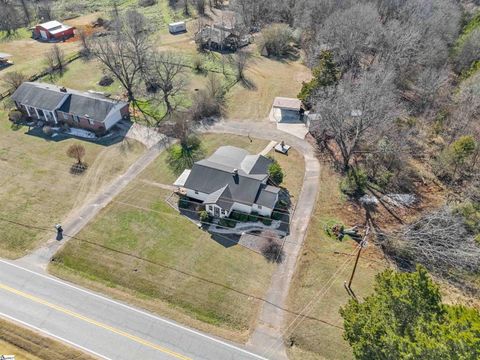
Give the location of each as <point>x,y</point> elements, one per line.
<point>140,250</point>
<point>37,189</point>
<point>321,259</point>
<point>26,344</point>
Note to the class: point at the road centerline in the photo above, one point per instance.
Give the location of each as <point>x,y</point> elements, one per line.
<point>94,322</point>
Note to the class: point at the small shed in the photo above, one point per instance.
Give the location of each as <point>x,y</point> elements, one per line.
<point>52,30</point>
<point>287,109</point>
<point>177,27</point>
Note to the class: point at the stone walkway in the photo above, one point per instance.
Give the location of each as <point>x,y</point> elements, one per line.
<point>268,148</point>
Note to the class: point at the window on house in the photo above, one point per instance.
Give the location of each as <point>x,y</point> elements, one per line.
<point>259,206</point>
<point>76,118</point>
<point>65,116</point>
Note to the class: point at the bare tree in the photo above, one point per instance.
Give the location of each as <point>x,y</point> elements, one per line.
<point>44,10</point>
<point>14,79</point>
<point>200,6</point>
<point>272,249</point>
<point>125,52</point>
<point>357,112</point>
<point>166,74</point>
<point>9,17</point>
<point>241,61</point>
<point>77,152</point>
<point>351,33</point>
<point>439,241</point>
<point>55,59</point>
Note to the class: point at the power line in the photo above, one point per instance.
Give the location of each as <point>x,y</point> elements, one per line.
<point>171,268</point>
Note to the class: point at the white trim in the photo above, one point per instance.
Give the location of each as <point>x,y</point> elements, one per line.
<point>171,323</point>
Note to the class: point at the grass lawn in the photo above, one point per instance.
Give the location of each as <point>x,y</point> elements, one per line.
<point>83,76</point>
<point>320,259</point>
<point>270,78</point>
<point>26,344</point>
<point>37,189</point>
<point>29,55</point>
<point>293,167</point>
<point>141,250</point>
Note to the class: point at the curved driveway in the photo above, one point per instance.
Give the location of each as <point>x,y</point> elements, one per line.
<point>267,337</point>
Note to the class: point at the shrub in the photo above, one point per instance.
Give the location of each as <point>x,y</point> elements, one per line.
<point>145,3</point>
<point>226,222</point>
<point>266,221</point>
<point>272,250</point>
<point>253,217</point>
<point>105,80</point>
<point>204,216</point>
<point>276,215</point>
<point>15,116</point>
<point>47,130</point>
<point>183,203</point>
<point>197,63</point>
<point>354,183</point>
<point>275,173</point>
<point>276,40</point>
<point>239,216</point>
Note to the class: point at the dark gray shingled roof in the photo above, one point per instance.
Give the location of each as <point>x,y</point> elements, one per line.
<point>216,176</point>
<point>38,95</point>
<point>49,97</point>
<point>267,196</point>
<point>81,105</point>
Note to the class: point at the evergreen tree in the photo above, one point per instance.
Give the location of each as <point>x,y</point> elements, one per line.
<point>405,319</point>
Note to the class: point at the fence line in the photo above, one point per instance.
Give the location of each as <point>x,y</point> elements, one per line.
<point>42,74</point>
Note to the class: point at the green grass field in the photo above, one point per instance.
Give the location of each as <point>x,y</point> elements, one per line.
<point>141,250</point>
<point>321,259</point>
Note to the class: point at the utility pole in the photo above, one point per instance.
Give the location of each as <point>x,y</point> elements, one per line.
<point>362,244</point>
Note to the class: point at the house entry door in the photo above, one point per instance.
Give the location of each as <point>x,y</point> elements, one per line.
<point>216,211</point>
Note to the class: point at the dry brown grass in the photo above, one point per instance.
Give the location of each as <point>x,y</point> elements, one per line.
<point>270,78</point>
<point>26,344</point>
<point>149,255</point>
<point>320,259</point>
<point>37,187</point>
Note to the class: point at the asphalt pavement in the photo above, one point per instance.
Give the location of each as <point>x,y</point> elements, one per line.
<point>103,327</point>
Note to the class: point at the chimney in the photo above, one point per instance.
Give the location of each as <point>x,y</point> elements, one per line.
<point>235,172</point>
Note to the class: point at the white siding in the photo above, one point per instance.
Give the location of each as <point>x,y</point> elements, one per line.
<point>242,208</point>
<point>112,118</point>
<point>262,210</point>
<point>200,196</point>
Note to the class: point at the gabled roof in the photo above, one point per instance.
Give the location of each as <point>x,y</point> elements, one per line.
<point>54,26</point>
<point>267,196</point>
<point>287,103</point>
<point>231,175</point>
<point>38,95</point>
<point>51,97</point>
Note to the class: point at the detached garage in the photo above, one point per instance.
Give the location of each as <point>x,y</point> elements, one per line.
<point>52,30</point>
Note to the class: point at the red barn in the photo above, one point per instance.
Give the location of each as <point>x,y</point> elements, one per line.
<point>53,30</point>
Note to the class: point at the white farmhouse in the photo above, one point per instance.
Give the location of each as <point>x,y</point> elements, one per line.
<point>231,180</point>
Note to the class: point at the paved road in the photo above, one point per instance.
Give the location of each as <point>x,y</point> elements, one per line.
<point>103,327</point>
<point>267,337</point>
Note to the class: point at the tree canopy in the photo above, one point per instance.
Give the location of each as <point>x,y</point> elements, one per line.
<point>405,319</point>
